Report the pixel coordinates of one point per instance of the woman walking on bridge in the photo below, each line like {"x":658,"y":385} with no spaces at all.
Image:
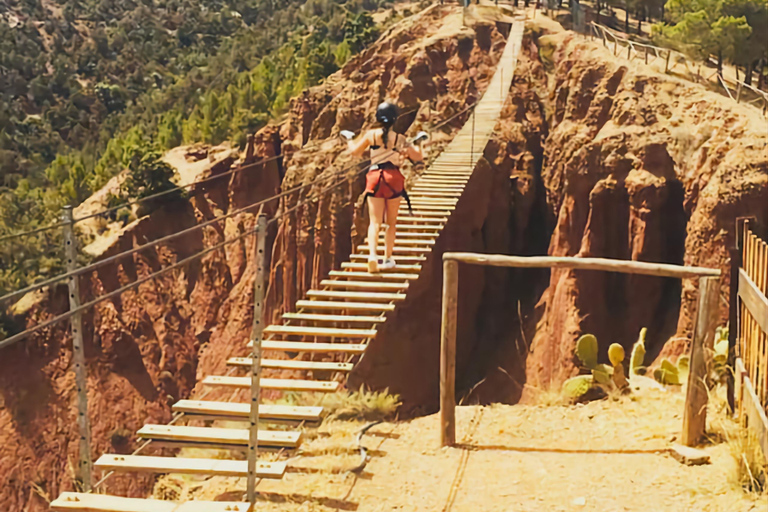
{"x":384,"y":183}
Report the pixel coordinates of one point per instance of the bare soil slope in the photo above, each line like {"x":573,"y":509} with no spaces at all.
{"x":604,"y":456}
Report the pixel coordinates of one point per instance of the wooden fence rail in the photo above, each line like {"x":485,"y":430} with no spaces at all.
{"x":673,"y":58}
{"x":751,"y":332}
{"x":694,"y":419}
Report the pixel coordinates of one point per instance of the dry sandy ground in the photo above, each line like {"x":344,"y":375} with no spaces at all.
{"x":606,"y":456}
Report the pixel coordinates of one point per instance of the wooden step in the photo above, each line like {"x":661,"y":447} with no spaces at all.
{"x":242,"y":411}
{"x":281,"y":384}
{"x":82,"y":502}
{"x":364,"y":257}
{"x":399,"y":250}
{"x":356,"y":306}
{"x":422,"y":214}
{"x":368,"y":296}
{"x":293,"y":364}
{"x":398,"y":268}
{"x":306,"y":346}
{"x":407,"y":219}
{"x":309,"y":317}
{"x":426,"y":237}
{"x":341,"y":274}
{"x":218,"y":436}
{"x":435,"y":201}
{"x":404,"y":241}
{"x":420,"y":189}
{"x":419,"y":208}
{"x":188,"y":466}
{"x":333,"y":332}
{"x":431,"y":229}
{"x":439,"y":194}
{"x":363,"y":285}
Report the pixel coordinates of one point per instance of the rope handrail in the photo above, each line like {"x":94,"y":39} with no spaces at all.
{"x":93,"y":266}
{"x":132,"y":202}
{"x":24,"y":334}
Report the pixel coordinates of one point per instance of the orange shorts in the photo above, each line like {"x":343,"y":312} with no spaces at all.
{"x":384,"y":183}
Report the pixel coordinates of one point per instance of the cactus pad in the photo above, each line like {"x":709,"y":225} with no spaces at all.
{"x":602,"y":373}
{"x":577,"y":386}
{"x":616,"y":354}
{"x":637,"y":358}
{"x":667,"y":373}
{"x":586,"y":350}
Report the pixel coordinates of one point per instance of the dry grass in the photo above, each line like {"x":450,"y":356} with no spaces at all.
{"x":750,"y":468}
{"x":349,"y":405}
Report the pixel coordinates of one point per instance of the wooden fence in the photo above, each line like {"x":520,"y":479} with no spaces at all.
{"x":623,"y":46}
{"x":695,"y":414}
{"x":749,"y":336}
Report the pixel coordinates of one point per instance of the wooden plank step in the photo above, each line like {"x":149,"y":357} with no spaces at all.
{"x":424,"y":205}
{"x":427,"y":237}
{"x":424,"y":192}
{"x":364,"y":257}
{"x":342,"y":274}
{"x":355,"y":295}
{"x":434,"y":200}
{"x":308,"y":346}
{"x":219,"y":436}
{"x":363,"y":285}
{"x":309,"y":317}
{"x":440,"y":194}
{"x":421,"y":214}
{"x":242,"y":411}
{"x":433,"y":229}
{"x":82,"y":502}
{"x":452,"y":194}
{"x":356,"y":306}
{"x":398,"y":268}
{"x":189,"y":466}
{"x":335,"y":332}
{"x":399,"y":250}
{"x":281,"y":384}
{"x":427,"y":181}
{"x":407,"y":219}
{"x":407,"y":241}
{"x":292,"y":364}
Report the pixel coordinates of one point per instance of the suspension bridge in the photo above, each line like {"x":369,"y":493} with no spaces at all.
{"x":317,"y":344}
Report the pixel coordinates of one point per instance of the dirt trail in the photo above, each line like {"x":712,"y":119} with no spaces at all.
{"x":603,"y":457}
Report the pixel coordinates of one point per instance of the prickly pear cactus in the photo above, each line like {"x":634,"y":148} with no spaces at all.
{"x":720,"y":358}
{"x":577,"y":386}
{"x":616,"y":354}
{"x":602,"y":373}
{"x":637,"y":358}
{"x":667,"y":373}
{"x":586,"y":350}
{"x":619,"y":378}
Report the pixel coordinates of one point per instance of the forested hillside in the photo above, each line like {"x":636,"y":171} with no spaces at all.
{"x":91,"y":87}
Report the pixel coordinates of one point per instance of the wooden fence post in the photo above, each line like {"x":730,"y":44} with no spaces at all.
{"x":448,"y":354}
{"x":695,"y":414}
{"x":666,"y":66}
{"x":84,"y":466}
{"x":256,"y":335}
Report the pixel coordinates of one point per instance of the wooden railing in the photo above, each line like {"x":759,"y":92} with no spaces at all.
{"x":695,"y":414}
{"x":623,"y":46}
{"x":749,"y":339}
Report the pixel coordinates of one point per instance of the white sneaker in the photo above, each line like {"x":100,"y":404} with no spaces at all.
{"x":389,"y":264}
{"x":373,"y":265}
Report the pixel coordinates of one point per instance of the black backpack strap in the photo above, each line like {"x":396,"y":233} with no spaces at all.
{"x":408,"y":200}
